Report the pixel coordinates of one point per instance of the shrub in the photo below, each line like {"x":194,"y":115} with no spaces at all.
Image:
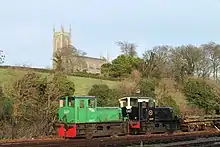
{"x":168,"y":101}
{"x":147,"y":87}
{"x":63,"y":85}
{"x":199,"y":93}
{"x":33,"y":104}
{"x":105,"y":95}
{"x":5,"y":107}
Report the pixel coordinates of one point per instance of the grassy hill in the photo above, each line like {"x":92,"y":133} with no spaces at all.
{"x":82,"y":84}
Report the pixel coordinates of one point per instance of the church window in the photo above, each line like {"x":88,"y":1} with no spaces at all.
{"x":87,"y":65}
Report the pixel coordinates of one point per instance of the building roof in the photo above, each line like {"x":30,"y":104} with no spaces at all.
{"x":92,"y":58}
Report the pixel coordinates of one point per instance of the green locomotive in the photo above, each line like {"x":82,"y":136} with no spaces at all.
{"x":79,"y":116}
{"x":83,"y":109}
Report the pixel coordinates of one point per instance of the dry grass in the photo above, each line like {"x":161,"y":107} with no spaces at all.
{"x":171,"y":88}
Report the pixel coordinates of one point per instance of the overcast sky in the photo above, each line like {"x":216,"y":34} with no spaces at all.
{"x":26,"y":29}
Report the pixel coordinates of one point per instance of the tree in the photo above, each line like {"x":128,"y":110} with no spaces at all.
{"x":129,"y":86}
{"x":68,"y":59}
{"x":35,"y":103}
{"x":5,"y":114}
{"x":5,"y":107}
{"x":154,"y":62}
{"x":123,"y":65}
{"x":2,"y":57}
{"x":185,"y":61}
{"x":168,"y":101}
{"x":29,"y":104}
{"x":57,"y":59}
{"x":105,"y":69}
{"x":204,"y":66}
{"x":128,"y":49}
{"x":199,"y":93}
{"x":147,"y":87}
{"x":164,"y":99}
{"x":105,"y":95}
{"x":212,"y":51}
{"x":60,"y":86}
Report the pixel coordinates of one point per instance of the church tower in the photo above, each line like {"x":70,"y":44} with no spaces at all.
{"x":60,"y":40}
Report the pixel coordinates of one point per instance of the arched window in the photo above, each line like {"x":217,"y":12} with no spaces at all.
{"x":87,"y":65}
{"x":94,"y":66}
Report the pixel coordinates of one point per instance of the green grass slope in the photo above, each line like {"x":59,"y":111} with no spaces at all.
{"x":82,"y":84}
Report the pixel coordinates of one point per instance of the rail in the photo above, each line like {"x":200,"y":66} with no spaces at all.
{"x":119,"y":141}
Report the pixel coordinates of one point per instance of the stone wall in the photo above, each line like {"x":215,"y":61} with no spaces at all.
{"x":89,"y":64}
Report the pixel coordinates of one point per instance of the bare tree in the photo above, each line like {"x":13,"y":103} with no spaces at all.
{"x":185,"y":60}
{"x":127,"y":48}
{"x":212,"y":51}
{"x":58,"y":61}
{"x":69,"y":58}
{"x":204,"y":68}
{"x":155,"y":61}
{"x":2,"y":57}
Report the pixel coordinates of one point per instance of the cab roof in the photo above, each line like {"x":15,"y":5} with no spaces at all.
{"x":163,"y":107}
{"x":137,"y":97}
{"x":76,"y":97}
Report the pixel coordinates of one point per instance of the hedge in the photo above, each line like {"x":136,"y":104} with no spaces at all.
{"x":78,"y":74}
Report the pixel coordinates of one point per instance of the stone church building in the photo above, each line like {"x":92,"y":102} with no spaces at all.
{"x":72,"y":62}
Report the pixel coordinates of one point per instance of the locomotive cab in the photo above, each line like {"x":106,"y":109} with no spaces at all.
{"x":139,"y":111}
{"x":137,"y":108}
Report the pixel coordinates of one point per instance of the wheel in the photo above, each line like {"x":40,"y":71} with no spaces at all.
{"x":190,"y":128}
{"x":148,"y":133}
{"x":170,"y":132}
{"x":114,"y":134}
{"x":89,"y":135}
{"x":91,"y":130}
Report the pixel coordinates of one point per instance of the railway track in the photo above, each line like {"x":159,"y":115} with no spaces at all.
{"x":120,"y":141}
{"x":204,"y":142}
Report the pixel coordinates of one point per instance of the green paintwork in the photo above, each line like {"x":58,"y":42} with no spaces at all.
{"x":82,"y":112}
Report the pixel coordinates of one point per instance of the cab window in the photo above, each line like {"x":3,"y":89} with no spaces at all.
{"x":61,"y":103}
{"x":134,"y":102}
{"x":81,"y":103}
{"x":91,"y":103}
{"x":151,"y":104}
{"x":71,"y":102}
{"x":125,"y":103}
{"x":144,"y":105}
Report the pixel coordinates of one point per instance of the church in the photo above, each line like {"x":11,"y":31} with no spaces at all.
{"x":73,"y":63}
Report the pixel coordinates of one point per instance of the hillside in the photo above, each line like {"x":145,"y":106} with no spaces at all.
{"x":170,"y":87}
{"x":82,"y":84}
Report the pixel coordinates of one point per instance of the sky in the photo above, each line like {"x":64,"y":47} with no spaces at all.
{"x":26,"y":30}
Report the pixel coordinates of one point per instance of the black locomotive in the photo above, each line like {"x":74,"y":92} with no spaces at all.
{"x":145,"y":117}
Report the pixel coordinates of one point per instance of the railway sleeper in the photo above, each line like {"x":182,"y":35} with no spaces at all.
{"x":200,"y":126}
